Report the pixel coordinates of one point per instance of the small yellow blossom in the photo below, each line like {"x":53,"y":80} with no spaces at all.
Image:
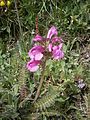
{"x":2,"y":3}
{"x":8,"y":3}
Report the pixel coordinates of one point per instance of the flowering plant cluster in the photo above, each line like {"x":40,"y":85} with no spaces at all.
{"x":44,"y":49}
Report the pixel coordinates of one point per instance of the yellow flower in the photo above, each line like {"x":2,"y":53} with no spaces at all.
{"x":8,"y":3}
{"x":2,"y":3}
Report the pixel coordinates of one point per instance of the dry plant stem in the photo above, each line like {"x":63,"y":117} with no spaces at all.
{"x":20,"y":29}
{"x":18,"y":19}
{"x":41,"y":82}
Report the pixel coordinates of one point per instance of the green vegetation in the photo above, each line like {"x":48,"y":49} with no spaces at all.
{"x":61,"y":96}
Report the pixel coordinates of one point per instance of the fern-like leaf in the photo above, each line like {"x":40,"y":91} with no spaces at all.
{"x":47,"y":100}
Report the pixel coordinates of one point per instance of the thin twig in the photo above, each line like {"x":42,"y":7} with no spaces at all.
{"x":18,"y":19}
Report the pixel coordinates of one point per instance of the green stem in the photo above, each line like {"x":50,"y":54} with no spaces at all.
{"x":41,"y":82}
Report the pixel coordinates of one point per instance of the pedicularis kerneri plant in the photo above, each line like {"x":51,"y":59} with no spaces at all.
{"x":43,"y":50}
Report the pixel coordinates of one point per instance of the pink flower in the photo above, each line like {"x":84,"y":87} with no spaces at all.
{"x":52,"y":45}
{"x":33,"y":65}
{"x":38,"y":38}
{"x":36,"y":52}
{"x":57,"y":52}
{"x":52,"y":32}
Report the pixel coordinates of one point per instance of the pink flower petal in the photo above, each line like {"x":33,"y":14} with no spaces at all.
{"x":38,"y":56}
{"x":55,"y":47}
{"x":50,"y":47}
{"x":51,"y":32}
{"x":35,"y":50}
{"x":38,"y":38}
{"x":33,"y":65}
{"x":34,"y":69}
{"x":56,"y":39}
{"x":38,"y":47}
{"x":60,"y":46}
{"x":58,"y":54}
